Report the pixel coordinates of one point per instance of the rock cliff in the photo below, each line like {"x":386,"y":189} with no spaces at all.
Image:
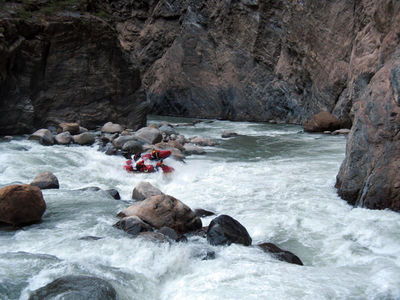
{"x":64,"y":66}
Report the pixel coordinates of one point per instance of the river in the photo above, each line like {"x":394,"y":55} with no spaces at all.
{"x":275,"y":180}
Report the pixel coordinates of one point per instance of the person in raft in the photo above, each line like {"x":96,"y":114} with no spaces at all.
{"x":155,"y":155}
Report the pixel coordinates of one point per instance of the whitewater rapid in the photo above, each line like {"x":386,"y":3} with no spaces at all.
{"x":275,"y":180}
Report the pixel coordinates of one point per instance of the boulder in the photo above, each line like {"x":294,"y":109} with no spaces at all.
{"x":321,"y":122}
{"x":144,"y":190}
{"x":164,"y":210}
{"x":83,"y":129}
{"x":85,"y":138}
{"x":202,"y":141}
{"x":46,"y":180}
{"x":132,"y":147}
{"x":21,"y":204}
{"x":109,"y":149}
{"x":77,"y":287}
{"x":201,"y":213}
{"x":193,"y":149}
{"x":120,"y":141}
{"x":149,"y":135}
{"x":114,"y":193}
{"x":176,"y":144}
{"x":228,"y":134}
{"x":224,"y":230}
{"x":72,"y":128}
{"x":133,"y":225}
{"x":110,"y":127}
{"x":167,"y":129}
{"x":44,"y":136}
{"x":280,"y":254}
{"x":63,"y":138}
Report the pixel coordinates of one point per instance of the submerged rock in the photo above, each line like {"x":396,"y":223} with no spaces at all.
{"x":190,"y":148}
{"x":114,"y":193}
{"x":46,"y":180}
{"x":202,"y":141}
{"x":172,"y":234}
{"x":224,"y":230}
{"x":164,"y":210}
{"x":21,"y":204}
{"x":280,"y":253}
{"x":228,"y":134}
{"x":145,"y":190}
{"x":76,"y":287}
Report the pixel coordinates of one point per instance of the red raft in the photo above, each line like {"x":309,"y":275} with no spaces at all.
{"x":155,"y":155}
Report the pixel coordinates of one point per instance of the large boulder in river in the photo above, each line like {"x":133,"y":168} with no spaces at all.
{"x":76,"y":287}
{"x":111,"y":127}
{"x":225,"y":230}
{"x":321,"y":122}
{"x":46,"y":180}
{"x":44,"y":136}
{"x":132,"y":147}
{"x":85,"y":138}
{"x":149,"y":135}
{"x":120,"y":141}
{"x":164,"y":210}
{"x":144,"y":190}
{"x":21,"y":204}
{"x":280,"y":254}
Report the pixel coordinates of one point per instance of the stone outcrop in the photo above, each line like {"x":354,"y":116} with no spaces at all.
{"x":280,"y":254}
{"x":145,"y":190}
{"x":323,"y":121}
{"x":164,"y":211}
{"x":64,"y":67}
{"x":21,"y":204}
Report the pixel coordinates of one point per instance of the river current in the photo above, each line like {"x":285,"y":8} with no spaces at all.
{"x":275,"y":180}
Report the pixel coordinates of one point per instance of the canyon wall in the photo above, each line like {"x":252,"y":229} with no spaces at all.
{"x":278,"y":61}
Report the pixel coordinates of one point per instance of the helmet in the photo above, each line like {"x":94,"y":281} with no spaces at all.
{"x":155,"y":153}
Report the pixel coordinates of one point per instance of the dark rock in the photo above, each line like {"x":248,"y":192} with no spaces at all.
{"x":133,"y":225}
{"x":144,"y":190}
{"x":44,"y":136}
{"x":21,"y":204}
{"x":203,"y":213}
{"x":321,"y":122}
{"x":46,"y":180}
{"x":72,"y":128}
{"x":167,"y":129}
{"x":109,"y":149}
{"x":90,"y":189}
{"x":76,"y":287}
{"x":224,"y":230}
{"x":85,"y":138}
{"x":114,"y":193}
{"x":164,"y":210}
{"x":63,"y":138}
{"x":203,"y":253}
{"x":280,"y":253}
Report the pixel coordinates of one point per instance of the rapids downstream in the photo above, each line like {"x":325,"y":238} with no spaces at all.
{"x":275,"y":180}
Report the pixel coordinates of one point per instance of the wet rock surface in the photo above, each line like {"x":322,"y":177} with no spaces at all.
{"x":21,"y":204}
{"x":280,"y":254}
{"x":46,"y":180}
{"x":76,"y":287}
{"x":224,"y":230}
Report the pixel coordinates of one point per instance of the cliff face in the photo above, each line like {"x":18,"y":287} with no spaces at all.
{"x":64,"y":67}
{"x":252,"y":60}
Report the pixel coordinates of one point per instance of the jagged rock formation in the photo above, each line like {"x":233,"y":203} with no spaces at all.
{"x":65,"y":66}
